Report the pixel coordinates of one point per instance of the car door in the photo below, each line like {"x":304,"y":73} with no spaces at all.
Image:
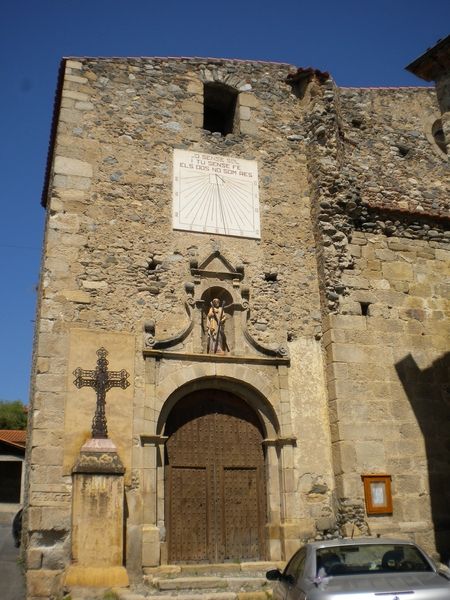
{"x":288,"y":586}
{"x":295,"y":589}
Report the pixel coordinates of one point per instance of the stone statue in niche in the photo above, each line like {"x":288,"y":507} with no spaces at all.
{"x":216,"y":317}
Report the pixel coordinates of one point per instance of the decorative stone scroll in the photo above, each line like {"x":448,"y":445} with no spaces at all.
{"x":217,"y":306}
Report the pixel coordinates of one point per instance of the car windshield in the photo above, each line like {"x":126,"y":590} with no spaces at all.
{"x":357,"y":559}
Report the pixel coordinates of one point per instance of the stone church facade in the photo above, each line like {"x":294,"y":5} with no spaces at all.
{"x":318,"y":217}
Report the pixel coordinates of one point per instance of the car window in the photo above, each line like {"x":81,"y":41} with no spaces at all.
{"x":356,"y":559}
{"x":296,"y":565}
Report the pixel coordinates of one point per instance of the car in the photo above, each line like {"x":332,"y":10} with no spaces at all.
{"x":361,"y":569}
{"x":17,"y":528}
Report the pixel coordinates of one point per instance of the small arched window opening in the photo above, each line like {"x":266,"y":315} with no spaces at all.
{"x":219,"y":107}
{"x":439,"y":136}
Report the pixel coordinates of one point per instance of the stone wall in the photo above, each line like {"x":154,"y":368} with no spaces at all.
{"x":380,"y":195}
{"x":387,"y":383}
{"x":111,"y":194}
{"x":373,"y":166}
{"x":389,"y":153}
{"x":443,"y":96}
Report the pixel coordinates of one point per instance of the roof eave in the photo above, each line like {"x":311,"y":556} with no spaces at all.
{"x":433,"y":63}
{"x":54,"y":126}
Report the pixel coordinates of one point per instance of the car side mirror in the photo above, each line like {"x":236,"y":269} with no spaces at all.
{"x":273,"y":575}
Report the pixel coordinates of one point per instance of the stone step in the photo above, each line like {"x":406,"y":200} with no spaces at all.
{"x":224,"y":581}
{"x":125,"y":594}
{"x":201,"y":583}
{"x":258,"y":568}
{"x":190,"y":583}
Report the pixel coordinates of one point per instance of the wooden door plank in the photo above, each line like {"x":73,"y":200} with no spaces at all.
{"x":188,"y":514}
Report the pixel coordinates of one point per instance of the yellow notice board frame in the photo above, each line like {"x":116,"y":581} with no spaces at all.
{"x":377,"y":494}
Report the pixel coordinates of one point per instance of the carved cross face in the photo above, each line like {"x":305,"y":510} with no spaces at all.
{"x":101,"y":380}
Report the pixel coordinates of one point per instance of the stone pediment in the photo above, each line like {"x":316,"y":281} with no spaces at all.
{"x":216,"y":266}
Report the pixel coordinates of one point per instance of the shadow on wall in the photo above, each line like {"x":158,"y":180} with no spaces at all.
{"x":429,"y":394}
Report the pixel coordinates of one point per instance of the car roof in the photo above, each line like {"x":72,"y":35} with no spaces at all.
{"x":358,"y":541}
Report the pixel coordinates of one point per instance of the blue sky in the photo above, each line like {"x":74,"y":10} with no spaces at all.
{"x":360,"y":43}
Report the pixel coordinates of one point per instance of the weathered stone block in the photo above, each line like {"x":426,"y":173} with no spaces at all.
{"x":75,"y":95}
{"x":84,"y":106}
{"x":248,"y":128}
{"x":75,"y":78}
{"x":370,"y":455}
{"x":75,"y":182}
{"x":150,"y":546}
{"x":42,"y":365}
{"x":94,"y":285}
{"x":74,"y":64}
{"x":246,"y":99}
{"x":77,"y":296}
{"x":195,"y":87}
{"x":344,"y":455}
{"x":47,"y":456}
{"x":398,"y":271}
{"x":348,"y":322}
{"x":350,"y":308}
{"x":69,"y":115}
{"x":355,"y":281}
{"x":34,"y":558}
{"x":95,"y":577}
{"x":244,"y":113}
{"x":48,"y":518}
{"x":97,"y":520}
{"x":349,"y":353}
{"x":49,"y":382}
{"x":64,"y":222}
{"x":325,"y":523}
{"x":43,"y":583}
{"x":193,"y":107}
{"x":251,"y":596}
{"x":67,"y":103}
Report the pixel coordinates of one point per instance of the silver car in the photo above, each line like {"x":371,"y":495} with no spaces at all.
{"x":361,"y":569}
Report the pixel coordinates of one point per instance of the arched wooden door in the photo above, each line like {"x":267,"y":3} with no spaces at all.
{"x":215,"y":492}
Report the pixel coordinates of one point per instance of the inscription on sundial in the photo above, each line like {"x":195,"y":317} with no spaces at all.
{"x":215,"y":194}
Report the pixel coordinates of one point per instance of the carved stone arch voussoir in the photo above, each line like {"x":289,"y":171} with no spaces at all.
{"x":220,"y":75}
{"x":253,"y":388}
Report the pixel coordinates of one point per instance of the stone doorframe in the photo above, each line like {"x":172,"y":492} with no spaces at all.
{"x":254,"y":384}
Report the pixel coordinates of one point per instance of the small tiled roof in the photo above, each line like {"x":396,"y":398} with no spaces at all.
{"x":15,"y":437}
{"x":434,"y":63}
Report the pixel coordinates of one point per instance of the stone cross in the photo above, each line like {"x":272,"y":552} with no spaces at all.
{"x":101,"y":380}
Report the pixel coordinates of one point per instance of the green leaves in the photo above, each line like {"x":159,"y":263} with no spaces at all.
{"x":12,"y":415}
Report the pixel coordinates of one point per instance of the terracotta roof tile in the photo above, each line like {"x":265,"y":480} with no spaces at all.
{"x":13,"y":436}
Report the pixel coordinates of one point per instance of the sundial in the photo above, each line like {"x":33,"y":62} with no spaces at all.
{"x":215,"y":194}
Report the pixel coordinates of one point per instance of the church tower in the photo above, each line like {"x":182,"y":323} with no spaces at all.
{"x":241,"y":312}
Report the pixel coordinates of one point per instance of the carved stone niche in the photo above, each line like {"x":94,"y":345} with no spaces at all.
{"x":214,"y":278}
{"x":228,"y":328}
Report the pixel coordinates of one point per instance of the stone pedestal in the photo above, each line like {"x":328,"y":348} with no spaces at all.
{"x":97,"y":518}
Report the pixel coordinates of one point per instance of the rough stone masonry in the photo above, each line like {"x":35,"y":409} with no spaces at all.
{"x":337,"y":314}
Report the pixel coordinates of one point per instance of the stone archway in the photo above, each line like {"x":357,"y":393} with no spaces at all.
{"x":214,"y":479}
